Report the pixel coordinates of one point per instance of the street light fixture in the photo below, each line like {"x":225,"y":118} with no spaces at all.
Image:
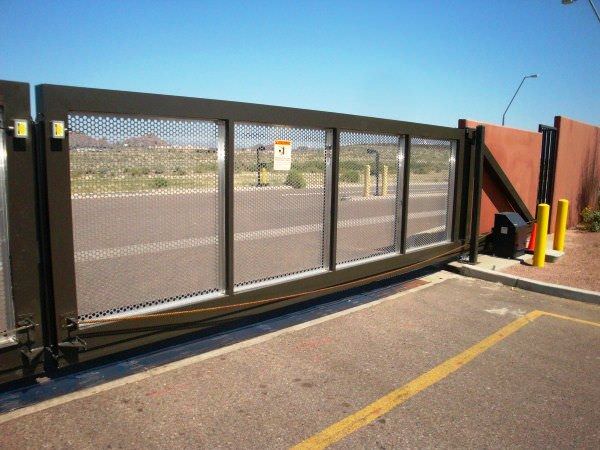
{"x":569,"y":2}
{"x":516,"y":92}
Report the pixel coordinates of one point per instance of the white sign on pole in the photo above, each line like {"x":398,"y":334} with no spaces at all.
{"x":282,"y":156}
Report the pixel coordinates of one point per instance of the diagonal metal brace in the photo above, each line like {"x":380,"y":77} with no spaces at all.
{"x":511,"y":193}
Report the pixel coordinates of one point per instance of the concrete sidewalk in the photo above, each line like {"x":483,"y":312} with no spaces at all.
{"x":536,"y":387}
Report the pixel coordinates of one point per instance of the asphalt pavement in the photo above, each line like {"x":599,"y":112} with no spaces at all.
{"x":458,"y":364}
{"x":137,"y":248}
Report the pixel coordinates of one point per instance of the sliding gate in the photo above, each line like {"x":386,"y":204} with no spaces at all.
{"x":164,"y":215}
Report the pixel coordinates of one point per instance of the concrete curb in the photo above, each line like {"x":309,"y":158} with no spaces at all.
{"x":528,"y":284}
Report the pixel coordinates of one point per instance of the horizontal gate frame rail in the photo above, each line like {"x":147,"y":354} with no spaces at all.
{"x":22,"y":357}
{"x":56,"y":102}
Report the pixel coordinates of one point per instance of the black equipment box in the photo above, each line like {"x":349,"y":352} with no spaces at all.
{"x":509,"y":235}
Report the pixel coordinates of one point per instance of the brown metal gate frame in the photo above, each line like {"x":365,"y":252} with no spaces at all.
{"x":72,"y":343}
{"x":23,"y":356}
{"x":40,"y":224}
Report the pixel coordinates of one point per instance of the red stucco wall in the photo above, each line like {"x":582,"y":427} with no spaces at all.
{"x":518,"y":152}
{"x":577,"y":165}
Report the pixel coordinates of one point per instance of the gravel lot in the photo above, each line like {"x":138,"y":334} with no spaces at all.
{"x":577,"y":268}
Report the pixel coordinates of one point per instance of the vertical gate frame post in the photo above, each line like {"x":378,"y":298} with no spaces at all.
{"x":455,"y":232}
{"x":399,"y":192}
{"x":46,"y":280}
{"x":405,"y":184}
{"x":467,"y":181}
{"x":56,"y":227}
{"x":334,"y":191}
{"x":477,"y":188}
{"x":229,"y":202}
{"x":221,"y":199}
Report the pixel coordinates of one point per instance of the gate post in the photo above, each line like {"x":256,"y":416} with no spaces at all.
{"x":547,"y":165}
{"x":477,"y":187}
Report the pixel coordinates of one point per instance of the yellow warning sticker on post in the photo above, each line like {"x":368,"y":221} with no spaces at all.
{"x":21,"y":128}
{"x":282,"y":155}
{"x":58,"y":129}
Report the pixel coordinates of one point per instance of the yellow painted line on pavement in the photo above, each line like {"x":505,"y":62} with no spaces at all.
{"x":175,"y":365}
{"x":370,"y":413}
{"x":572,"y":319}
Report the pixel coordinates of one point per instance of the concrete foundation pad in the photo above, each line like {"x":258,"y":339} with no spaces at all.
{"x":553,"y":255}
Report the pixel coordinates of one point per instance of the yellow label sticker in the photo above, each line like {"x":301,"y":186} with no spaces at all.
{"x":58,"y":129}
{"x":21,"y":128}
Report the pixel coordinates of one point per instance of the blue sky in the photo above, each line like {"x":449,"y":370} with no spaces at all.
{"x":421,"y":61}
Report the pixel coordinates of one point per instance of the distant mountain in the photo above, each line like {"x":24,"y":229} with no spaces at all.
{"x":80,"y":140}
{"x":148,"y":140}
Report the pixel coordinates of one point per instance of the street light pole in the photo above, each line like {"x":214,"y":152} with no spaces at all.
{"x":372,"y":151}
{"x":258,"y":165}
{"x":595,"y":10}
{"x":516,"y":92}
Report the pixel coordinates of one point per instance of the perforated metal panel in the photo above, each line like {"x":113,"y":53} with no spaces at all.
{"x":6,"y":306}
{"x":370,"y":184}
{"x":145,"y":201}
{"x":278,"y":215}
{"x":431,"y":192}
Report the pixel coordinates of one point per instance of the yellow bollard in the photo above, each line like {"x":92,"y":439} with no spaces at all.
{"x":384,"y":181}
{"x":539,"y":254}
{"x":560,"y":227}
{"x":263,"y":177}
{"x":367,"y":181}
